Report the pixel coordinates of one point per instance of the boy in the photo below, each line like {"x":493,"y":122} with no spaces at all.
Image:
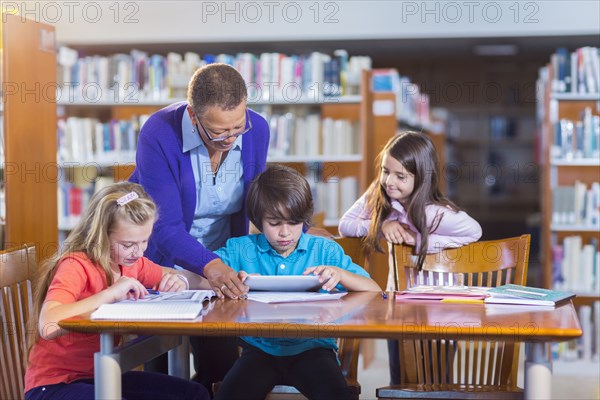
{"x":279,"y":204}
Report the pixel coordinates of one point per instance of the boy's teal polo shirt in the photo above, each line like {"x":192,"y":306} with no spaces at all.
{"x":254,"y":254}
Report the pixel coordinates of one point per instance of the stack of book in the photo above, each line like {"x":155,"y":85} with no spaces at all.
{"x":505,"y":294}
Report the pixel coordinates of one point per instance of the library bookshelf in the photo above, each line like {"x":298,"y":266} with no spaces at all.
{"x":29,"y":169}
{"x":331,"y":161}
{"x":569,"y":128}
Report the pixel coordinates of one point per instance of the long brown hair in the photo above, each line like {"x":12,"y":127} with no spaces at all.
{"x":417,"y":154}
{"x":90,"y":237}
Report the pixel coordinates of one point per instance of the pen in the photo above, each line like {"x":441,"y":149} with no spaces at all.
{"x":384,"y":295}
{"x":152,"y":291}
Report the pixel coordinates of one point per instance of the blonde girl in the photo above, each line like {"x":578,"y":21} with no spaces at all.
{"x":101,"y":262}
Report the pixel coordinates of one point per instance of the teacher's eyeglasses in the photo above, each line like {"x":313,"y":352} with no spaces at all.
{"x":217,"y":138}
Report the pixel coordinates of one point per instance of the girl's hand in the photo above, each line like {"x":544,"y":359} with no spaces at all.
{"x":127,"y":288}
{"x":393,"y":232}
{"x":327,"y":273}
{"x":171,"y":283}
{"x":408,"y":236}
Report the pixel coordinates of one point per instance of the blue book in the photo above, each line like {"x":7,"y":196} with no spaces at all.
{"x":517,"y":294}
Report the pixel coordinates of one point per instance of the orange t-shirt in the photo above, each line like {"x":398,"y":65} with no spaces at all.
{"x":70,"y":357}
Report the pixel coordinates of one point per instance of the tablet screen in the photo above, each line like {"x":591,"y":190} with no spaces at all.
{"x":281,"y":283}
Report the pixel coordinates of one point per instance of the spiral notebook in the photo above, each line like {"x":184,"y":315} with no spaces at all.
{"x":184,"y":305}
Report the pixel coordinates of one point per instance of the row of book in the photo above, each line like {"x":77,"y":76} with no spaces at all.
{"x":138,"y":76}
{"x":72,"y":200}
{"x":412,"y":106}
{"x":577,"y":71}
{"x":574,"y":140}
{"x":586,"y":348}
{"x":331,"y":197}
{"x":576,"y":266}
{"x":334,"y":196}
{"x":87,"y":140}
{"x":294,"y":135}
{"x":576,"y":205}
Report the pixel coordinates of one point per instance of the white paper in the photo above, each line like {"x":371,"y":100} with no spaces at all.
{"x":291,"y":297}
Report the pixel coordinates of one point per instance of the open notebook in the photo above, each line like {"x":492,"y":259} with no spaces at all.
{"x":164,"y":306}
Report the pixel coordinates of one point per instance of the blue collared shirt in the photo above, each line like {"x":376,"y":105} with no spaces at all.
{"x":254,"y":254}
{"x":218,"y":198}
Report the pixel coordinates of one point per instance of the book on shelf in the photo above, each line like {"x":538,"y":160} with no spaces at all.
{"x":518,"y":294}
{"x":576,"y":266}
{"x":334,"y":196}
{"x":310,"y":136}
{"x":577,"y":140}
{"x":163,"y":306}
{"x":139,"y":76}
{"x":87,"y":140}
{"x":576,"y":205}
{"x":576,"y":72}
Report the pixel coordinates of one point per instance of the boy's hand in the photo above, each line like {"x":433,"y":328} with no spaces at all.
{"x":243,"y":275}
{"x":328,"y":274}
{"x":170,"y":283}
{"x":223,"y":280}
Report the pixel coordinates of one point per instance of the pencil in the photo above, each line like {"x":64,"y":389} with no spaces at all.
{"x":462,"y":301}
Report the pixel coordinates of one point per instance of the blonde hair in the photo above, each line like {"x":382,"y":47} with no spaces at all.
{"x":90,"y":236}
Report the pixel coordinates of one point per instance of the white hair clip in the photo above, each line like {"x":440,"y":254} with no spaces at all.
{"x":127,"y":198}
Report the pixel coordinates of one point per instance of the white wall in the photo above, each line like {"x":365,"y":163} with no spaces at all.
{"x":113,"y":22}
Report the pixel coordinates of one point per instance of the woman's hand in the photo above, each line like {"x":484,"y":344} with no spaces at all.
{"x":127,"y":288}
{"x":223,"y":280}
{"x":171,"y":283}
{"x":328,"y":274}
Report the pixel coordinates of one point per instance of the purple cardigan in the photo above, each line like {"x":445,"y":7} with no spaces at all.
{"x":166,"y":174}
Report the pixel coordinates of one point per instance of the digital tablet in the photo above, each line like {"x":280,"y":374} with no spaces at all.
{"x":283,"y":283}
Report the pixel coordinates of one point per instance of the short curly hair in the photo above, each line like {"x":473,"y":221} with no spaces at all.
{"x":218,"y":85}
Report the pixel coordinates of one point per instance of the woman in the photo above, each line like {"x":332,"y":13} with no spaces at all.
{"x":196,"y":159}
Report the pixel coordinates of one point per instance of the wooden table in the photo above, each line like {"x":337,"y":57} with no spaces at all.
{"x":363,"y":315}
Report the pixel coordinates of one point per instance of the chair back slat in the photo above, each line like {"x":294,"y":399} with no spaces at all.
{"x":17,"y":267}
{"x":349,"y":348}
{"x":486,"y":263}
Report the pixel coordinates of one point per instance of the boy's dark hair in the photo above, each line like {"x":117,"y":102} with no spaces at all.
{"x":282,"y":193}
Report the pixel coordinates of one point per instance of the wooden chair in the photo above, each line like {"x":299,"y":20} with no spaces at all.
{"x":446,"y":369}
{"x":17,"y":267}
{"x":348,"y":347}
